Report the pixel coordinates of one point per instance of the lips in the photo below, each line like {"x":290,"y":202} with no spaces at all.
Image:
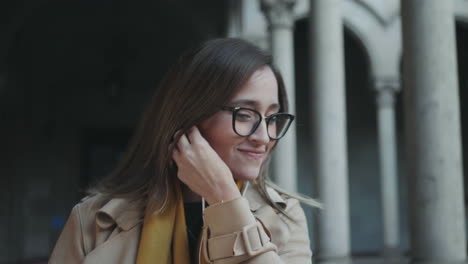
{"x":254,"y":154}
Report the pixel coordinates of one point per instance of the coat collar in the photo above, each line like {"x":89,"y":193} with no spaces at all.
{"x":126,"y":213}
{"x":121,"y":211}
{"x":256,"y":200}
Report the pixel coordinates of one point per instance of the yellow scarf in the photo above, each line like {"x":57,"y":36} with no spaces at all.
{"x":164,"y":235}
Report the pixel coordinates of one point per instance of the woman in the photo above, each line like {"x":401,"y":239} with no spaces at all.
{"x":208,"y":133}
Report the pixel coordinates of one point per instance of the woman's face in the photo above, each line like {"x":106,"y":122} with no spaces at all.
{"x":245,"y":155}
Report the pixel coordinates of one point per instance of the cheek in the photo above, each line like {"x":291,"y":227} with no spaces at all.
{"x":271,"y":145}
{"x":218,"y":132}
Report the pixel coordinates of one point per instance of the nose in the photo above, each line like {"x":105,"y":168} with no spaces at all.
{"x":260,"y":135}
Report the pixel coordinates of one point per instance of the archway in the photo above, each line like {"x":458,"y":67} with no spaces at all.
{"x":365,"y":208}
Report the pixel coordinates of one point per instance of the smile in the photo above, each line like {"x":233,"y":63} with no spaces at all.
{"x":258,"y":155}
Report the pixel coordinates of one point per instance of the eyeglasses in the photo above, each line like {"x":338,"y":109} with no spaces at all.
{"x":246,"y":120}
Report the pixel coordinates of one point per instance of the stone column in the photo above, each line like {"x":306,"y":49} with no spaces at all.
{"x":386,"y":90}
{"x":280,"y":19}
{"x":329,"y":129}
{"x":234,"y":25}
{"x":433,"y":132}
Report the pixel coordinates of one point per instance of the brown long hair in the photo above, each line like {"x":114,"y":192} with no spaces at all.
{"x":201,"y":80}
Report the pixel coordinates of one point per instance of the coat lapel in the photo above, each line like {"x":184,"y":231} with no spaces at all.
{"x":120,"y":249}
{"x":117,"y":232}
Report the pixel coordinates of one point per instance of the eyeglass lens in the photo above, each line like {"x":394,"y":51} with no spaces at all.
{"x":246,"y":121}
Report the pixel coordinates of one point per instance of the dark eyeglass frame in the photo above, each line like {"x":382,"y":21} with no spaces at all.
{"x":236,"y":109}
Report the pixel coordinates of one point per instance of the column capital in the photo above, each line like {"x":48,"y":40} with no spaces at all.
{"x":386,"y":89}
{"x":387,"y":84}
{"x":279,"y":13}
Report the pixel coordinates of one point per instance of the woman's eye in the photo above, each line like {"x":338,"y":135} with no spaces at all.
{"x":243,"y":117}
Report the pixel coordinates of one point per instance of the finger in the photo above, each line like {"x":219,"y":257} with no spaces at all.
{"x":176,"y":134}
{"x":175,"y":138}
{"x":183,"y":144}
{"x":171,"y":147}
{"x":173,"y":142}
{"x":187,"y":134}
{"x":195,"y":135}
{"x":176,"y":155}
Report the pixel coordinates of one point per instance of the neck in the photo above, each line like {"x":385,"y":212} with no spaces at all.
{"x":189,"y":195}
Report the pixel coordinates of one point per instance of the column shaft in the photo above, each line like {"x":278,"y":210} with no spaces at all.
{"x":329,"y":128}
{"x":433,"y":132}
{"x":234,"y":24}
{"x":279,"y":14}
{"x":285,"y":159}
{"x":388,"y":165}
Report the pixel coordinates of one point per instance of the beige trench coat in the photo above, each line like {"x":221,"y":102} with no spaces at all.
{"x":245,"y":230}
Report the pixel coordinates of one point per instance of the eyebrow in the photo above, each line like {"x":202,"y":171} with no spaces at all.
{"x":253,"y":103}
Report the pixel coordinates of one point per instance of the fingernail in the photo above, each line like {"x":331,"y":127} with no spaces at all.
{"x":176,"y":134}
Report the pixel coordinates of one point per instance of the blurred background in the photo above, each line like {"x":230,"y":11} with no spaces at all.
{"x":75,"y":77}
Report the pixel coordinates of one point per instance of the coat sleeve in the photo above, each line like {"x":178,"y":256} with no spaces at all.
{"x":234,"y":235}
{"x":69,"y":246}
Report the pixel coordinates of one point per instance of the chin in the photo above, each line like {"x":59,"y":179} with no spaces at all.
{"x":249,"y":175}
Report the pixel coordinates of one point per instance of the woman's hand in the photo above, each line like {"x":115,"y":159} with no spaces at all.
{"x":202,"y":170}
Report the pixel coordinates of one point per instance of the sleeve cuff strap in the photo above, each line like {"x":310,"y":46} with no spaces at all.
{"x":251,"y":241}
{"x":228,"y":217}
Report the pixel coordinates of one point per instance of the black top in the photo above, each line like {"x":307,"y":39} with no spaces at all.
{"x":194,"y":222}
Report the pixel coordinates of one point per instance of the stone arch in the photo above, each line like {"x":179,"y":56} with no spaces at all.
{"x":379,"y":31}
{"x":380,"y":36}
{"x":460,"y":10}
